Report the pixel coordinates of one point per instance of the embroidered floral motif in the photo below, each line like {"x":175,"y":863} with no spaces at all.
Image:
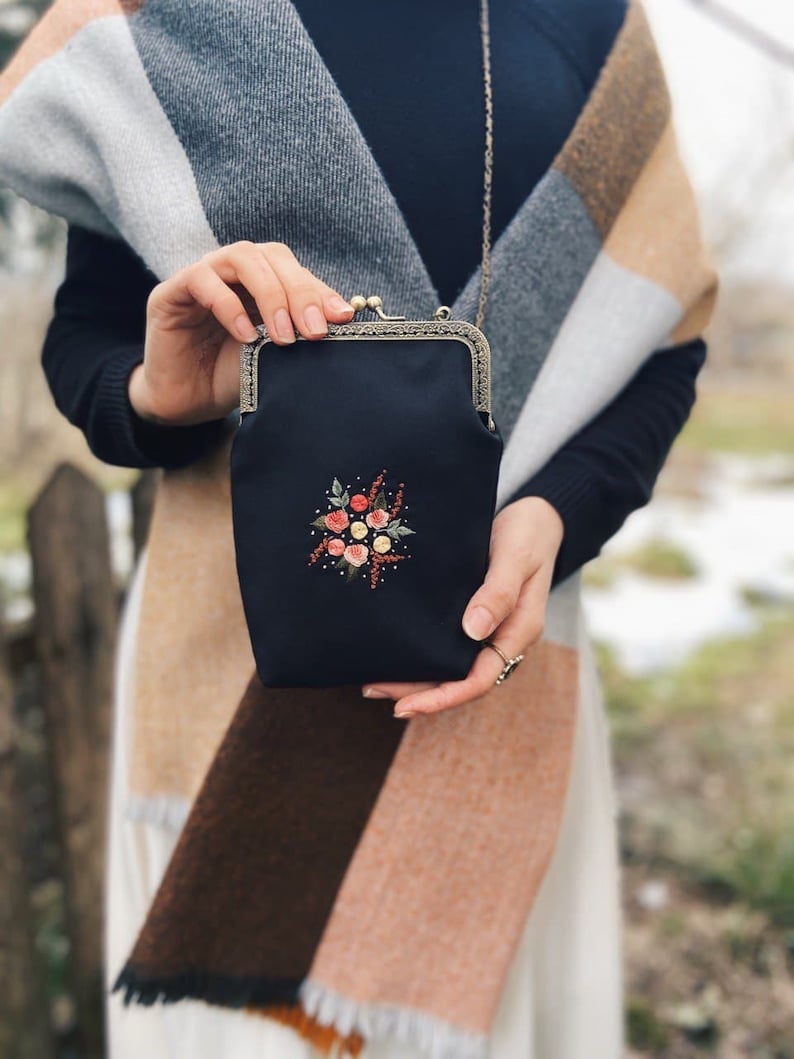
{"x":347,"y":525}
{"x":378,"y":519}
{"x":337,"y":521}
{"x":356,"y":554}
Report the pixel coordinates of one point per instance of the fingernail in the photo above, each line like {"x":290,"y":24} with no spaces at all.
{"x":339,"y":304}
{"x":314,"y":320}
{"x":284,"y":328}
{"x":245,"y":329}
{"x":405,"y":713}
{"x":478,"y":623}
{"x":374,"y":693}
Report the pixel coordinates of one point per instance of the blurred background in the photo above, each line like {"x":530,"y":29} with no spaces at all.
{"x":692,"y":607}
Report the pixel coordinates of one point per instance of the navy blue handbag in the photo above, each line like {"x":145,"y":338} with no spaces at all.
{"x":364,"y":475}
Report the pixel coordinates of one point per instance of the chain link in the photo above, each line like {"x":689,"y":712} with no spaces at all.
{"x":485,"y":270}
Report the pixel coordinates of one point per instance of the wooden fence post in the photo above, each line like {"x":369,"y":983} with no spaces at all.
{"x":25,"y":1028}
{"x":75,"y":628}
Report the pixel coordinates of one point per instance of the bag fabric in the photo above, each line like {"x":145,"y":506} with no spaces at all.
{"x":347,"y":873}
{"x":362,"y":512}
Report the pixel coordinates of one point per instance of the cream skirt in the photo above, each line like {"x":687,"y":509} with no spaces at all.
{"x":563,"y":996}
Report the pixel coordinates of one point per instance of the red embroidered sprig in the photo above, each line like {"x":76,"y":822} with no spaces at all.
{"x":375,"y":487}
{"x":318,"y":551}
{"x":377,"y":562}
{"x":398,"y":501}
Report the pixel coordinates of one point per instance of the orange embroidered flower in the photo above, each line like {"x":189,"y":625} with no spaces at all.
{"x":356,"y":554}
{"x":336,"y":546}
{"x":359,"y":502}
{"x":337,"y":521}
{"x":378,"y":519}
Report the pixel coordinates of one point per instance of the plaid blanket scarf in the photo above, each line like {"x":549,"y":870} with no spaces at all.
{"x":345,"y":872}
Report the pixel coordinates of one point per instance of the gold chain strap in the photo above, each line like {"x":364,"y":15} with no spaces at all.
{"x":485,"y":271}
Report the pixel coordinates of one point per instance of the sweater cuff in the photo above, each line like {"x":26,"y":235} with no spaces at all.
{"x":570,"y":487}
{"x":137,"y":442}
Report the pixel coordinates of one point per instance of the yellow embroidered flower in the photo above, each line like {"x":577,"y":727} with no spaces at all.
{"x":382,"y":544}
{"x":358,"y":531}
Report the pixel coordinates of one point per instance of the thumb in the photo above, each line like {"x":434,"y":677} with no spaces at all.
{"x":495,"y":600}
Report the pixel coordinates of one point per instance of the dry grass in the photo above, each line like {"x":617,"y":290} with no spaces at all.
{"x":741,"y":414}
{"x":703,"y":756}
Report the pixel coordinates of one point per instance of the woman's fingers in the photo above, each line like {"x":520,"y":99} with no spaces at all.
{"x":203,"y":286}
{"x":287,"y":295}
{"x":522,"y":628}
{"x":195,"y":318}
{"x":311,"y":302}
{"x":394,"y":691}
{"x":337,"y":308}
{"x":250,"y":267}
{"x":509,"y":607}
{"x":510,"y":564}
{"x":301,"y":290}
{"x":482,"y":675}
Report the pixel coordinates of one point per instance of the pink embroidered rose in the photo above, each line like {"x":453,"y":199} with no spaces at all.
{"x":336,"y":546}
{"x":336,"y":521}
{"x":356,"y":554}
{"x":359,"y":502}
{"x":378,"y":519}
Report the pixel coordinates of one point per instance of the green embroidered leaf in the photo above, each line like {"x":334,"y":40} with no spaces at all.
{"x":380,"y":502}
{"x":336,"y":501}
{"x":352,"y":571}
{"x":319,"y":522}
{"x":336,"y":488}
{"x":394,"y":532}
{"x":342,"y":563}
{"x":344,"y":500}
{"x":404,"y":531}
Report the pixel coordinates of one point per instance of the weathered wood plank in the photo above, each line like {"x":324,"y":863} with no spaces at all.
{"x":25,"y":1030}
{"x":75,"y":629}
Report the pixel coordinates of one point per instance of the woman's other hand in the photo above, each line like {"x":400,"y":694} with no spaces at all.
{"x":508,"y":608}
{"x":197,"y":318}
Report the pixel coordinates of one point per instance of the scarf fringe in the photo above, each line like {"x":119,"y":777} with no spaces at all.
{"x":335,"y":1025}
{"x":161,"y":811}
{"x":432,"y":1037}
{"x":223,"y":990}
{"x":326,"y":1039}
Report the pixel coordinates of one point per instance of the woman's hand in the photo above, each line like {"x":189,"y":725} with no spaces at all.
{"x":509,"y":607}
{"x":197,"y":318}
